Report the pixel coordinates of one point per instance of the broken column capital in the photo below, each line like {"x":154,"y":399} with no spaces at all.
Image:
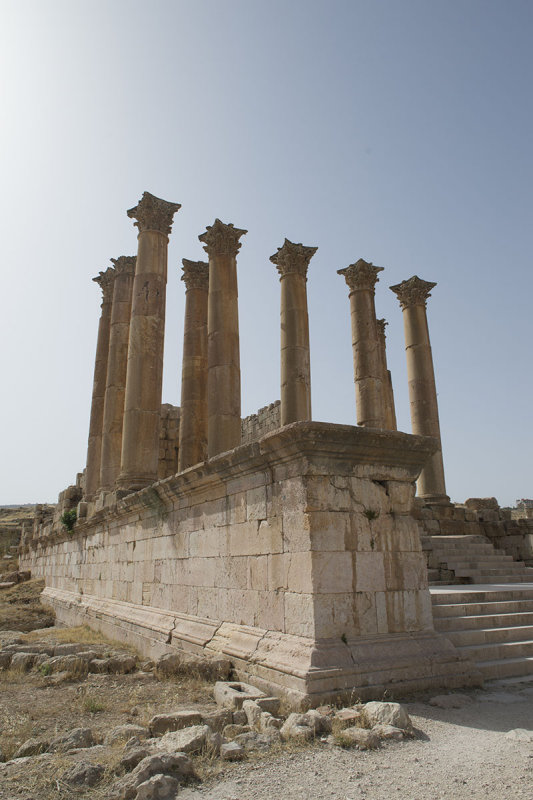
{"x":124,"y":265}
{"x":195,"y":274}
{"x":221,"y":239}
{"x":362,"y":275}
{"x":382,"y":324}
{"x":413,"y":292}
{"x":293,"y":258}
{"x":106,"y":281}
{"x":153,"y":214}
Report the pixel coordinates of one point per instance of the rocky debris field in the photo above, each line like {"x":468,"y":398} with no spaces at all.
{"x":80,"y":716}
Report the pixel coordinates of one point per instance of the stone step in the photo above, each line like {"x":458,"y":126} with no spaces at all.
{"x":467,"y":610}
{"x":473,"y":595}
{"x":466,"y":560}
{"x":478,"y":621}
{"x":481,"y":636}
{"x":482,"y":566}
{"x":501,"y":579}
{"x":498,"y":650}
{"x":511,"y":667}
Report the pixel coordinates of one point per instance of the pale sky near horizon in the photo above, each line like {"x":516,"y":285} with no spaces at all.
{"x":396,"y":131}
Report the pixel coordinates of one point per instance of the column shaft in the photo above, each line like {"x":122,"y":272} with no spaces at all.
{"x":292,"y":262}
{"x":193,"y":417}
{"x":116,"y":372}
{"x":142,"y":404}
{"x":223,"y":355}
{"x":94,"y":448}
{"x":370,"y":401}
{"x":413,"y":295}
{"x":388,"y":391}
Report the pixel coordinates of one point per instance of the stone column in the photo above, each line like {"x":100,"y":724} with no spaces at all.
{"x":116,"y":371}
{"x":223,"y":359}
{"x":94,"y":449}
{"x":193,"y":417}
{"x":390,"y":410}
{"x":413,"y":295}
{"x":292,"y":261}
{"x":142,"y":404}
{"x":361,"y":278}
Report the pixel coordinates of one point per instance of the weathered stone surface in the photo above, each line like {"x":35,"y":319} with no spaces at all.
{"x":134,"y":756}
{"x":78,"y":737}
{"x":187,"y":740}
{"x":347,"y":718}
{"x":190,"y":664}
{"x":296,"y":727}
{"x":217,"y":720}
{"x":5,"y":660}
{"x":232,"y":730}
{"x":378,"y":713}
{"x":124,"y":732}
{"x":83,"y":774}
{"x":253,"y":713}
{"x":31,"y":747}
{"x":233,"y":695}
{"x":455,"y":700}
{"x":231,"y":751}
{"x":72,"y":664}
{"x":253,"y":741}
{"x":388,"y":732}
{"x":270,"y":704}
{"x":98,"y":665}
{"x":175,"y":721}
{"x":359,"y":737}
{"x":269,"y":724}
{"x":121,"y":665}
{"x":22,"y":662}
{"x":158,"y":787}
{"x":177,"y":765}
{"x":319,"y":723}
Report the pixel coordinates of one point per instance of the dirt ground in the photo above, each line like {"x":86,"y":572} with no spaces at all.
{"x":456,"y":753}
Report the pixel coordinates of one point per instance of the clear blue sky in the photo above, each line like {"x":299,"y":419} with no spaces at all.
{"x":399,"y":131}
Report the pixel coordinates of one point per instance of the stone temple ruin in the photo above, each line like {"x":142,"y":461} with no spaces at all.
{"x":295,"y":548}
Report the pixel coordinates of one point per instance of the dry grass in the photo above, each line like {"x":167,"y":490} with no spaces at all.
{"x":80,"y":635}
{"x":21,"y":609}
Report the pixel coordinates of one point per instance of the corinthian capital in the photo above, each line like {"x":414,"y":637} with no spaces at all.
{"x":221,"y":239}
{"x":361,"y":275}
{"x":195,"y":274}
{"x":154,"y":214}
{"x":106,"y":281}
{"x":413,"y":292}
{"x":293,"y":258}
{"x":124,"y":265}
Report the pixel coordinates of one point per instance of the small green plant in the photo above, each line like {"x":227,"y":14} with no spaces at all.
{"x":68,"y":518}
{"x":45,"y":669}
{"x":343,"y":638}
{"x":370,"y":514}
{"x":93,"y":706}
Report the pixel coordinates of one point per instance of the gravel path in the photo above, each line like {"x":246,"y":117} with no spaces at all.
{"x":459,"y":753}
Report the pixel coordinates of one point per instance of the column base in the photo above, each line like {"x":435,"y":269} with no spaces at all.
{"x":134,"y":483}
{"x":435,"y":499}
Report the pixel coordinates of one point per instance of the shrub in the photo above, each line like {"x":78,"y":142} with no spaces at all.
{"x":68,"y":518}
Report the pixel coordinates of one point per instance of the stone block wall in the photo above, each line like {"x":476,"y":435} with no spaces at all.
{"x":297,"y":557}
{"x":266,"y":420}
{"x":481,"y":516}
{"x":169,"y":435}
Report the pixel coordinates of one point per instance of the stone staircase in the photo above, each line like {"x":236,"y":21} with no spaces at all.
{"x":483,"y":602}
{"x":493,"y":627}
{"x":470,"y":559}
